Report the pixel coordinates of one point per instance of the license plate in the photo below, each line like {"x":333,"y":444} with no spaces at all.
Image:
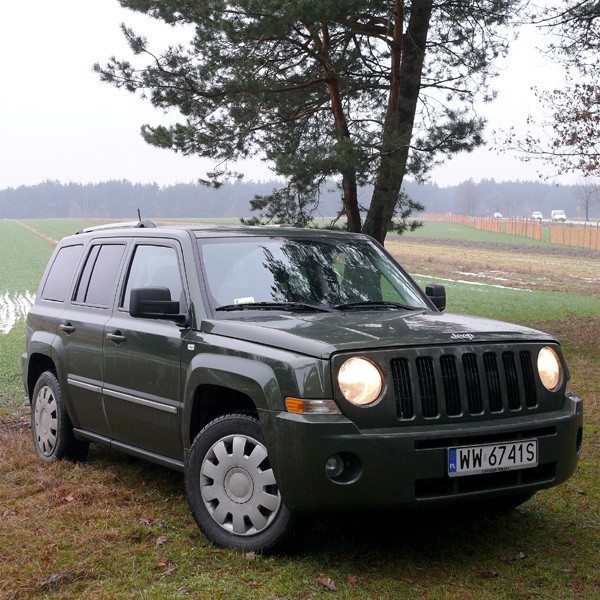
{"x":491,"y":458}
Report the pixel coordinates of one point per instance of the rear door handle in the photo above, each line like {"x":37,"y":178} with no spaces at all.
{"x":117,"y":337}
{"x":67,"y":328}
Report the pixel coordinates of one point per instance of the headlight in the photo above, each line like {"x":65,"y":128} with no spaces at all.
{"x":360,"y":381}
{"x":549,"y":368}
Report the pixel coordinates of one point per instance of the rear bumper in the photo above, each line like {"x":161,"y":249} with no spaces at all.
{"x":407,"y":466}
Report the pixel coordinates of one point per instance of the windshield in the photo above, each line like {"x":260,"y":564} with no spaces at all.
{"x":245,"y":272}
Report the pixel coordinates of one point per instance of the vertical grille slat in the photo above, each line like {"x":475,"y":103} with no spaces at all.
{"x":512,"y":380}
{"x":402,"y":386}
{"x":426,"y":375}
{"x":473,"y":383}
{"x":492,"y":378}
{"x":451,"y":386}
{"x":528,"y":379}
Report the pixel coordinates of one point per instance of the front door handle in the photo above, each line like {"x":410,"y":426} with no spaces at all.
{"x":117,"y":337}
{"x":67,"y":328}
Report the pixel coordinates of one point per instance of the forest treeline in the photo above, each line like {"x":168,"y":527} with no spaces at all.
{"x":122,"y":199}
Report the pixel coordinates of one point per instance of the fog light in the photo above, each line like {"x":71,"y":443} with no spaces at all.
{"x":334,"y":466}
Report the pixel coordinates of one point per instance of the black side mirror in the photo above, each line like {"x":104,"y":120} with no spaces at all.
{"x":437,"y":294}
{"x":154,"y":303}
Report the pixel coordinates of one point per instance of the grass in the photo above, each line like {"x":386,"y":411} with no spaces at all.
{"x":24,"y":257}
{"x":454,"y":231}
{"x":120,"y":527}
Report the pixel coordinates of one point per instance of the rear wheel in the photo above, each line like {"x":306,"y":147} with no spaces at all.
{"x":231,"y":487}
{"x":51,"y":427}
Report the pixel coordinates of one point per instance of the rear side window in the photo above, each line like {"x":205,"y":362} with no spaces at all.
{"x":98,"y":279}
{"x":61,"y":273}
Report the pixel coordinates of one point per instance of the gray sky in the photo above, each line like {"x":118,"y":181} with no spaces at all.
{"x":59,"y":122}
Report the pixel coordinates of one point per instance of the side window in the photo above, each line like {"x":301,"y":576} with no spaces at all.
{"x":97,"y":282}
{"x":61,"y":273}
{"x":153,"y":266}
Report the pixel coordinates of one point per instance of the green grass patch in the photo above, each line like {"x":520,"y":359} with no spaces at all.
{"x":24,"y":258}
{"x":60,"y":228}
{"x":513,"y":304}
{"x":13,"y":401}
{"x":454,"y":231}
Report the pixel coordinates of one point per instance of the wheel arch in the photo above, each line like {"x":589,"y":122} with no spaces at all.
{"x":38,"y":364}
{"x":218,"y":385}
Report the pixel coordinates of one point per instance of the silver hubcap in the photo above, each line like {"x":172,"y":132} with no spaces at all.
{"x":238,"y":486}
{"x":46,"y":421}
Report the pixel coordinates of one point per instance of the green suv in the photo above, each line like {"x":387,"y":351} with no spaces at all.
{"x":286,"y":371}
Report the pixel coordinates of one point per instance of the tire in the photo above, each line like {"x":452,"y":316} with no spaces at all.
{"x":51,"y":427}
{"x":231,"y":488}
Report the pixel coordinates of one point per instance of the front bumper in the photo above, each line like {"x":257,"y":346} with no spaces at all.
{"x":407,"y":466}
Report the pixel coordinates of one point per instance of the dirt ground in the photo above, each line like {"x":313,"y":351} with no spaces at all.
{"x":545,"y":268}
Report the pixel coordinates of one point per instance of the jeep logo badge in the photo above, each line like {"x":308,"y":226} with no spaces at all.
{"x":463,"y":336}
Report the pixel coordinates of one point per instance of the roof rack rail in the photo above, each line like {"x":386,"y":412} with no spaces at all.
{"x":126,"y":224}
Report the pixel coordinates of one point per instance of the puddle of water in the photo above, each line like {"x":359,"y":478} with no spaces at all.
{"x":14,"y":307}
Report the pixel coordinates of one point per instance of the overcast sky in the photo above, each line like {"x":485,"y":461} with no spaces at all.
{"x":58,"y":121}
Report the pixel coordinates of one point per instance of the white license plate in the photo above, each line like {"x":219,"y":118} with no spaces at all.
{"x":491,"y":458}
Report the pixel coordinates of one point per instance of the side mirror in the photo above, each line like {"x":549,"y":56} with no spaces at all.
{"x":155,"y":303}
{"x":437,"y":294}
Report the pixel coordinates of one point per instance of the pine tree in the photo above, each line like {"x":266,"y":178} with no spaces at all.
{"x":363,"y":92}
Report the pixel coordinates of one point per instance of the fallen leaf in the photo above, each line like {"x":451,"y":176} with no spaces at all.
{"x":8,"y":513}
{"x":250,"y":555}
{"x":161,"y":565}
{"x":568,"y":570}
{"x":146,"y":522}
{"x":518,"y":556}
{"x":352,"y":581}
{"x":327,"y":583}
{"x":68,"y":498}
{"x":52,"y":580}
{"x":170,"y":567}
{"x":162,"y":540}
{"x":254,"y":584}
{"x":490,"y":574}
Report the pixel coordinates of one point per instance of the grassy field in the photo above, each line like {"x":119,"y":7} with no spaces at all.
{"x":119,"y":527}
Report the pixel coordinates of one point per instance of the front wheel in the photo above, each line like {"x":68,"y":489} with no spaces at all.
{"x":231,"y":487}
{"x":51,"y":427}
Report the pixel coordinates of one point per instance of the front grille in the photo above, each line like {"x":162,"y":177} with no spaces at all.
{"x":454,"y":383}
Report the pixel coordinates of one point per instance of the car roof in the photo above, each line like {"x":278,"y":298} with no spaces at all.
{"x":207,"y":231}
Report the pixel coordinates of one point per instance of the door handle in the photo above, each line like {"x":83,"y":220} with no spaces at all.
{"x":67,"y":328}
{"x":117,"y":337}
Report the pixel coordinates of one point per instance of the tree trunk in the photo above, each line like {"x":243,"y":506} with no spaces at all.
{"x":408,"y":53}
{"x":349,"y":188}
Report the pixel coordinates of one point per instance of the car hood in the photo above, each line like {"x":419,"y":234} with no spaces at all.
{"x":323,"y":334}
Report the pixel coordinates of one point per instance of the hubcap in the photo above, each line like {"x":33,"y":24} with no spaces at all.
{"x":238,"y":485}
{"x":46,"y":421}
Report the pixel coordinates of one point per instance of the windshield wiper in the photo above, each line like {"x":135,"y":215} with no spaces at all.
{"x":274,"y":306}
{"x":377,"y":304}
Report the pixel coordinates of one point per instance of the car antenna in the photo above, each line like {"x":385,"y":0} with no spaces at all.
{"x":139,"y":215}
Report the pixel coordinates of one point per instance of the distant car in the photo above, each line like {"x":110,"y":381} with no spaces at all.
{"x":536,"y":215}
{"x":558,"y":215}
{"x":497,"y":215}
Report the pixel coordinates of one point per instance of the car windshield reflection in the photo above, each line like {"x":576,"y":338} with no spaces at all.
{"x":297,"y":274}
